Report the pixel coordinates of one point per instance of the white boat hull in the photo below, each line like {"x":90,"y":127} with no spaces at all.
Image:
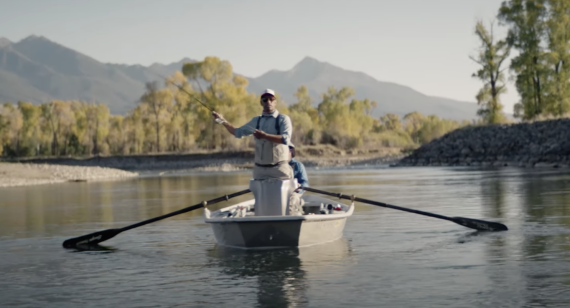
{"x":255,"y":232}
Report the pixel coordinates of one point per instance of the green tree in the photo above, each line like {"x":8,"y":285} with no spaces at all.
{"x":491,"y":56}
{"x":558,"y":57}
{"x":526,"y":21}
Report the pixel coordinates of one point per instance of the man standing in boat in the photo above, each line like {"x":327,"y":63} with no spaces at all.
{"x":272,"y":132}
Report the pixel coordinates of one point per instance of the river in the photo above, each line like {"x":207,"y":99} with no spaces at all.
{"x":387,"y":258}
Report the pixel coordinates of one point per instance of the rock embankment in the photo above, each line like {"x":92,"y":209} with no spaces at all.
{"x":538,"y":144}
{"x":15,"y":174}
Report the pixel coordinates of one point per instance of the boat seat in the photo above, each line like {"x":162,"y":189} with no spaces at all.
{"x":272,"y":196}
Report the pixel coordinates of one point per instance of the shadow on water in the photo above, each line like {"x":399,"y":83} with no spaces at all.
{"x":472,"y":236}
{"x":93,"y":248}
{"x":281,"y":273}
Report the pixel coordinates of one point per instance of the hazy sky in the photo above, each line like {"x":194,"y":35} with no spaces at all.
{"x":423,"y":44}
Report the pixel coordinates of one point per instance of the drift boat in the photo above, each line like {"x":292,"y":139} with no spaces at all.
{"x":278,"y":217}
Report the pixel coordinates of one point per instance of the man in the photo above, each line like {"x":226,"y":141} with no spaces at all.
{"x":299,"y":171}
{"x":272,"y":132}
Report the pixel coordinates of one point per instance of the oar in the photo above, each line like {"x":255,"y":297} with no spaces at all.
{"x":476,"y":224}
{"x":98,"y":237}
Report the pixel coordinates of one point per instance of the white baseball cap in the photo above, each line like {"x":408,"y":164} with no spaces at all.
{"x":268,"y":91}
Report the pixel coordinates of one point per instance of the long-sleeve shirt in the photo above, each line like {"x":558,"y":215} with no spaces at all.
{"x":267,"y":124}
{"x":299,"y":172}
{"x":268,"y":152}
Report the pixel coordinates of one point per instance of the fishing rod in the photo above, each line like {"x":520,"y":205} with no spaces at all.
{"x":191,"y":96}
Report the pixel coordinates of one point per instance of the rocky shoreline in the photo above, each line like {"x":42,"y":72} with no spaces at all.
{"x":15,"y":174}
{"x":224,"y":161}
{"x":151,"y":162}
{"x":19,"y":172}
{"x":537,"y":144}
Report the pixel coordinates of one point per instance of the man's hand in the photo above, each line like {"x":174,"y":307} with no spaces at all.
{"x":259,"y":134}
{"x":230,"y":128}
{"x":218,"y":116}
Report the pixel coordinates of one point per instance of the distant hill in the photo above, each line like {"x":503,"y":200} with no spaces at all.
{"x":317,"y":76}
{"x":36,"y":69}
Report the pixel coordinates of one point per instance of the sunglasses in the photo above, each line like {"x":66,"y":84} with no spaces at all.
{"x":267,"y":99}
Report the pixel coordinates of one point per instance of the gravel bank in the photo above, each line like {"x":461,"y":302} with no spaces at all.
{"x":538,"y":144}
{"x":323,"y":156}
{"x":16,"y":174}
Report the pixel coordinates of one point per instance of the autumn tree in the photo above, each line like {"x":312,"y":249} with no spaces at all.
{"x":413,"y":123}
{"x":391,"y":121}
{"x":305,"y":118}
{"x":30,"y":132}
{"x":227,"y":94}
{"x":11,"y":122}
{"x":158,"y":105}
{"x":97,"y":116}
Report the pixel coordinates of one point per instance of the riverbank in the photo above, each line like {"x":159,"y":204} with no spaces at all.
{"x":17,"y":174}
{"x":310,"y":156}
{"x":538,"y":144}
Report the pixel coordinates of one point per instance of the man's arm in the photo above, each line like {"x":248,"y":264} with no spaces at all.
{"x":303,"y":178}
{"x":259,"y":134}
{"x":238,"y":132}
{"x":229,"y":127}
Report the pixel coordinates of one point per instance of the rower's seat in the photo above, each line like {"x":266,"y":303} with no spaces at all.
{"x":272,"y":196}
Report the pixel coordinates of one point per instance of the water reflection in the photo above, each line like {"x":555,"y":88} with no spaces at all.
{"x":540,"y":237}
{"x":281,"y":274}
{"x":546,"y":205}
{"x":402,"y":260}
{"x":493,"y":187}
{"x":44,"y":208}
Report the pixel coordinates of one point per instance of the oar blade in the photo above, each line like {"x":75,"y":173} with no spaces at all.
{"x":481,"y":225}
{"x":91,"y":239}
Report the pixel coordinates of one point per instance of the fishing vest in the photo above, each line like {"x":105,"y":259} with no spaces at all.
{"x":268,"y":153}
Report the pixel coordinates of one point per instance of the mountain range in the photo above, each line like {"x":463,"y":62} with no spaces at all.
{"x":37,"y":70}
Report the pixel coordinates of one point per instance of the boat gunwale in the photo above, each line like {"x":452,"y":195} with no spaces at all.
{"x":253,"y":219}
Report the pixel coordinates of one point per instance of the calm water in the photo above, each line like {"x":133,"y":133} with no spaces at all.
{"x":387,"y":258}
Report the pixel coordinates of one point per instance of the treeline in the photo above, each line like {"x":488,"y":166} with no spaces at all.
{"x":172,"y":119}
{"x":539,"y":32}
